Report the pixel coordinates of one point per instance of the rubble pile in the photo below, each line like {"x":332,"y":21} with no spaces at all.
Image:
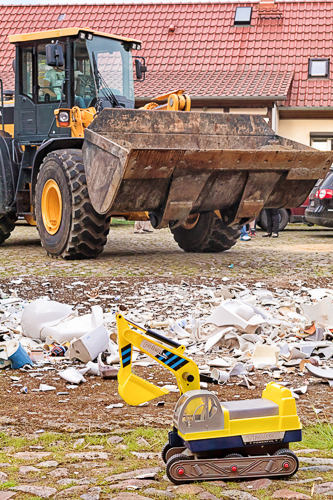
{"x":234,"y":333}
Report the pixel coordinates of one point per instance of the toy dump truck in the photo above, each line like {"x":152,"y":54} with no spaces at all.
{"x":74,"y":153}
{"x":211,"y":439}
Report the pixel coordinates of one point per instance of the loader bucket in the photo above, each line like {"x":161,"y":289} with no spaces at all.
{"x":135,"y":390}
{"x":177,"y":163}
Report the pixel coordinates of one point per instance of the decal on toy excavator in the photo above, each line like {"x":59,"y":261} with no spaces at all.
{"x":168,"y":353}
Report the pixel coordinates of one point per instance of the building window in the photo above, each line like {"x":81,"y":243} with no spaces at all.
{"x":319,"y":68}
{"x":323,"y":142}
{"x":243,"y":16}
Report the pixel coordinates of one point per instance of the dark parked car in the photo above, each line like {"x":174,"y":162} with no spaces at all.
{"x":320,"y":209}
{"x":286,"y":215}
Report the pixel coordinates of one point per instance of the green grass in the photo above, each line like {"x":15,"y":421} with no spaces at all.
{"x":8,"y":484}
{"x":318,"y":436}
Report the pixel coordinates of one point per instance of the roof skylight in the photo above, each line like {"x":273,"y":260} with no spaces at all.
{"x":243,"y":16}
{"x":319,"y":68}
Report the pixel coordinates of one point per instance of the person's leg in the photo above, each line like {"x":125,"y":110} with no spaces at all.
{"x":253,"y":228}
{"x":138,"y":226}
{"x":275,"y":220}
{"x":147,"y":227}
{"x":243,"y":231}
{"x":269,"y":220}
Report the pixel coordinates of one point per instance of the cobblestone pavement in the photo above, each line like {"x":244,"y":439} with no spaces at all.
{"x":299,"y":250}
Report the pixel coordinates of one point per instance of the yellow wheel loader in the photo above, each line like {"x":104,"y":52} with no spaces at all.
{"x":74,"y":152}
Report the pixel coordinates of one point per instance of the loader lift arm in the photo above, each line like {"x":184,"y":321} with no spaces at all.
{"x":168,"y":353}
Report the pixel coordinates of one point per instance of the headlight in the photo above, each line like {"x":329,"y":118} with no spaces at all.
{"x":63,"y":117}
{"x":135,"y":46}
{"x":89,"y":36}
{"x":82,"y":36}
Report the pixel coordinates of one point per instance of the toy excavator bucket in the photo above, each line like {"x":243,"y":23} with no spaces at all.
{"x":132,"y":389}
{"x":168,"y":353}
{"x":135,"y":390}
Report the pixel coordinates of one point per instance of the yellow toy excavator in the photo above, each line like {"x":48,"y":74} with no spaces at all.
{"x":211,"y":440}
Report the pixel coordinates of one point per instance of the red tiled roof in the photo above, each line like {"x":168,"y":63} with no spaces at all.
{"x":219,"y":83}
{"x":205,"y":54}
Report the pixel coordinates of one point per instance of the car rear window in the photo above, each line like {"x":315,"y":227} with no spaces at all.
{"x":327,"y":182}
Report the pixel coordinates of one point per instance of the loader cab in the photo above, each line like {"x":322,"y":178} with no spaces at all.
{"x":96,"y":70}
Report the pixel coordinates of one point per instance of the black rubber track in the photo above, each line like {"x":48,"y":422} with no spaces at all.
{"x":7,"y":225}
{"x":210,"y":234}
{"x":86,"y":234}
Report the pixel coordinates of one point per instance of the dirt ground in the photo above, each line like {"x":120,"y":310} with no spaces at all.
{"x":52,"y":422}
{"x":300,"y":250}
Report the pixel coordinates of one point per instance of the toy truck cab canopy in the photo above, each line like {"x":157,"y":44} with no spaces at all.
{"x":198,"y":411}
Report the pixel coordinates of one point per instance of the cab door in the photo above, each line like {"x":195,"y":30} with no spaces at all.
{"x":25,"y":109}
{"x":51,"y":83}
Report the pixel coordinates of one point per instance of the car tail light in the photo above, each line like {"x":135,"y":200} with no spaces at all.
{"x":324,"y":194}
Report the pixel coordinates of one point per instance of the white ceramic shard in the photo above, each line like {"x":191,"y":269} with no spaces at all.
{"x":46,"y":388}
{"x":320,"y":372}
{"x":236,"y":313}
{"x":237,"y":369}
{"x":216,"y":338}
{"x":219,"y":375}
{"x":220,"y":363}
{"x":265,"y":355}
{"x":320,"y":312}
{"x":73,"y":376}
{"x":89,"y":346}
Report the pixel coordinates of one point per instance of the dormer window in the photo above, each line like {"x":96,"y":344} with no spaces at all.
{"x":243,"y":16}
{"x":319,"y":68}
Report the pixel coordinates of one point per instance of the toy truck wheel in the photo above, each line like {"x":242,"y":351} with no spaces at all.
{"x":286,"y":451}
{"x":68,"y":225}
{"x":205,"y":233}
{"x":170,"y":470}
{"x":168,"y":451}
{"x":7,"y":225}
{"x":234,"y":455}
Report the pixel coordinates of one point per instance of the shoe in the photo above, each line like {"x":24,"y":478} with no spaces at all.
{"x":148,"y":230}
{"x":253,"y":232}
{"x":267,"y":235}
{"x":246,"y":237}
{"x":275,"y":235}
{"x":140,"y":231}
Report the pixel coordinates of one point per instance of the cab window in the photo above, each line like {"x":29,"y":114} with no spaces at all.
{"x":27,"y":75}
{"x":195,"y":412}
{"x":84,"y":84}
{"x":50,"y":79}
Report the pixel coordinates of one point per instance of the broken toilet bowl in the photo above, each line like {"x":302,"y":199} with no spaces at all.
{"x":44,"y":319}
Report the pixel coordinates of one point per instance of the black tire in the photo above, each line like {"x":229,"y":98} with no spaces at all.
{"x":209,"y":234}
{"x":164,"y":451}
{"x":82,"y":233}
{"x":286,"y":451}
{"x":7,"y":225}
{"x":170,"y":462}
{"x":283,"y":219}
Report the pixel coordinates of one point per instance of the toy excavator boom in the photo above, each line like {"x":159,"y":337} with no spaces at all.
{"x":168,"y":353}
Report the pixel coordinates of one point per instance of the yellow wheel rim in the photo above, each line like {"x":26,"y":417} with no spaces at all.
{"x":51,"y":206}
{"x":191,"y":221}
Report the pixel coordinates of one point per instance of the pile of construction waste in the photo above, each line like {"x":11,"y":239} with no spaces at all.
{"x":230,"y":331}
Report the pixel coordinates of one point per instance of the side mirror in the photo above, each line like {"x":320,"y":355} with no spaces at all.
{"x":140,"y":69}
{"x":54,"y":55}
